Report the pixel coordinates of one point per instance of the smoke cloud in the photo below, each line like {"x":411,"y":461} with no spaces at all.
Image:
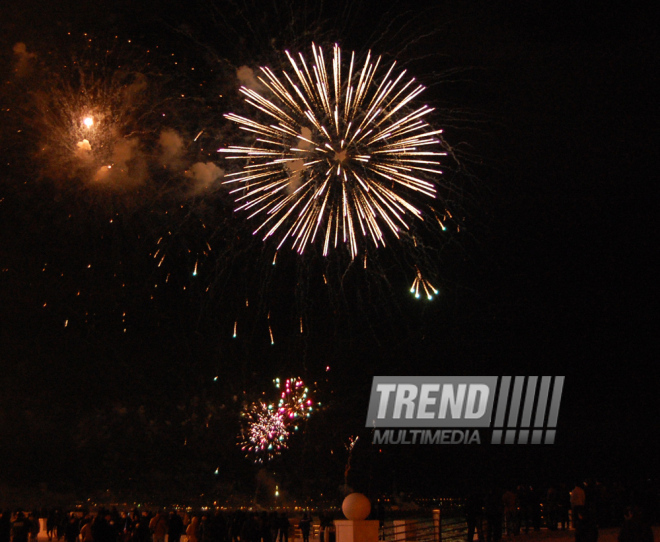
{"x":128,"y":166}
{"x":83,"y":150}
{"x":171,"y":144}
{"x":247,"y":78}
{"x":132,"y":91}
{"x":23,"y":59}
{"x":204,"y":175}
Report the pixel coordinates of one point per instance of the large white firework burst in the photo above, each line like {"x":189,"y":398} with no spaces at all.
{"x":344,"y":157}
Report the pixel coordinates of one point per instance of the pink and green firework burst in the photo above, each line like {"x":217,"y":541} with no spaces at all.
{"x":295,"y":403}
{"x":267,"y":427}
{"x":265,"y":434}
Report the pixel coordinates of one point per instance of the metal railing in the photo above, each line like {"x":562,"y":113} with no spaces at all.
{"x":424,"y":530}
{"x":454,"y":529}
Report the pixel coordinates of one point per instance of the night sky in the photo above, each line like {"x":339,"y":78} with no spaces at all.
{"x":108,"y":361}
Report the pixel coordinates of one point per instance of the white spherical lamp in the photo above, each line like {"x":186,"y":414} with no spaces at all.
{"x":356,"y":507}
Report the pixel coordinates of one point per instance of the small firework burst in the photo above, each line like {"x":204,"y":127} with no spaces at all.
{"x":294,"y":402}
{"x":267,"y":427}
{"x":88,"y":113}
{"x":265,"y":434}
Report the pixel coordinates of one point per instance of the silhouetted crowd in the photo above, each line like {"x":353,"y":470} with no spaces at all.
{"x":586,"y":508}
{"x":136,"y":526}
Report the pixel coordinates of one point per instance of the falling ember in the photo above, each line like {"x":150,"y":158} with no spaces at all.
{"x":235,"y":326}
{"x":270,"y":331}
{"x":444,"y":228}
{"x":419,"y":284}
{"x":348,"y":160}
{"x":195,"y":270}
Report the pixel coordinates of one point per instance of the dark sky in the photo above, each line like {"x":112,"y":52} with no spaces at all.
{"x":552,"y":274}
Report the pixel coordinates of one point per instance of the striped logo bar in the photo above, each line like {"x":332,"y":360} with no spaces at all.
{"x":527,"y":409}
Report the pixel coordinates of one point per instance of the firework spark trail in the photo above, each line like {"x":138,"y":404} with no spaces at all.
{"x":345,"y":159}
{"x":352,"y":441}
{"x":420,"y":283}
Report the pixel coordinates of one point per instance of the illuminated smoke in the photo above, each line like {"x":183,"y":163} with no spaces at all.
{"x":204,"y":176}
{"x":24,"y":60}
{"x":247,"y":78}
{"x":172,"y":147}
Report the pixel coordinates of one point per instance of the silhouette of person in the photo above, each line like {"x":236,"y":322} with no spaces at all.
{"x":305,"y":526}
{"x":474,"y":515}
